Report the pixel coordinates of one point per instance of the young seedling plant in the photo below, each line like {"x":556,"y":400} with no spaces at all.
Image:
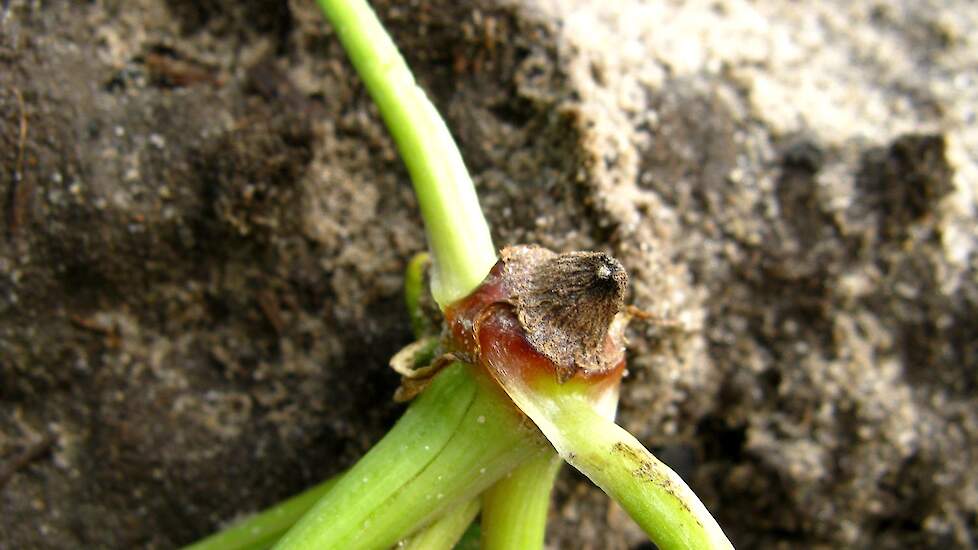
{"x":524,"y":365}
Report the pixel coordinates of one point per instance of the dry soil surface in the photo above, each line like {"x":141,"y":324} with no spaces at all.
{"x":204,"y":227}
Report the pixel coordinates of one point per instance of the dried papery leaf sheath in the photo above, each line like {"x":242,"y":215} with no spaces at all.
{"x":561,"y":308}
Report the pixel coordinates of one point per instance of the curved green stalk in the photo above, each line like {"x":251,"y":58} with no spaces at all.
{"x":396,"y":488}
{"x":652,"y":494}
{"x":263,"y":529}
{"x":463,"y":254}
{"x":418,"y":437}
{"x":446,"y":531}
{"x":457,"y":231}
{"x":493,"y":438}
{"x":413,"y":295}
{"x":514,"y":510}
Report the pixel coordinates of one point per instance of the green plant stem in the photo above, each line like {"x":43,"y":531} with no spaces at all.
{"x":463,"y":253}
{"x":420,"y":434}
{"x":447,"y":530}
{"x":413,"y":292}
{"x":457,"y":232}
{"x":263,"y":529}
{"x":454,"y":441}
{"x":493,"y":438}
{"x":514,"y":510}
{"x":444,"y":533}
{"x":471,"y":538}
{"x":652,"y":494}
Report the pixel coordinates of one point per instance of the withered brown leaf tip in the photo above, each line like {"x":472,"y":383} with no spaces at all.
{"x":566,"y":303}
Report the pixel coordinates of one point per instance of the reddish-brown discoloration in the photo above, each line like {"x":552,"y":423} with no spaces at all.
{"x":462,"y":316}
{"x":484,"y":328}
{"x":503,"y":345}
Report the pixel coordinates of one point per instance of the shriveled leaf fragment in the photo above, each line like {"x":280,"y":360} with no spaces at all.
{"x":418,"y":363}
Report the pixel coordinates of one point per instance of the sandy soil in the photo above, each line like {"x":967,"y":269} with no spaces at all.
{"x":204,"y":227}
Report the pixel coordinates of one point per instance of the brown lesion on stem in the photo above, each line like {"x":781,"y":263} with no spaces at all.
{"x":556,"y":314}
{"x":569,"y":309}
{"x":650,"y":472}
{"x":566,"y":303}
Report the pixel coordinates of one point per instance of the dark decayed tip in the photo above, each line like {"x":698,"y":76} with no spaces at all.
{"x":567,"y":305}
